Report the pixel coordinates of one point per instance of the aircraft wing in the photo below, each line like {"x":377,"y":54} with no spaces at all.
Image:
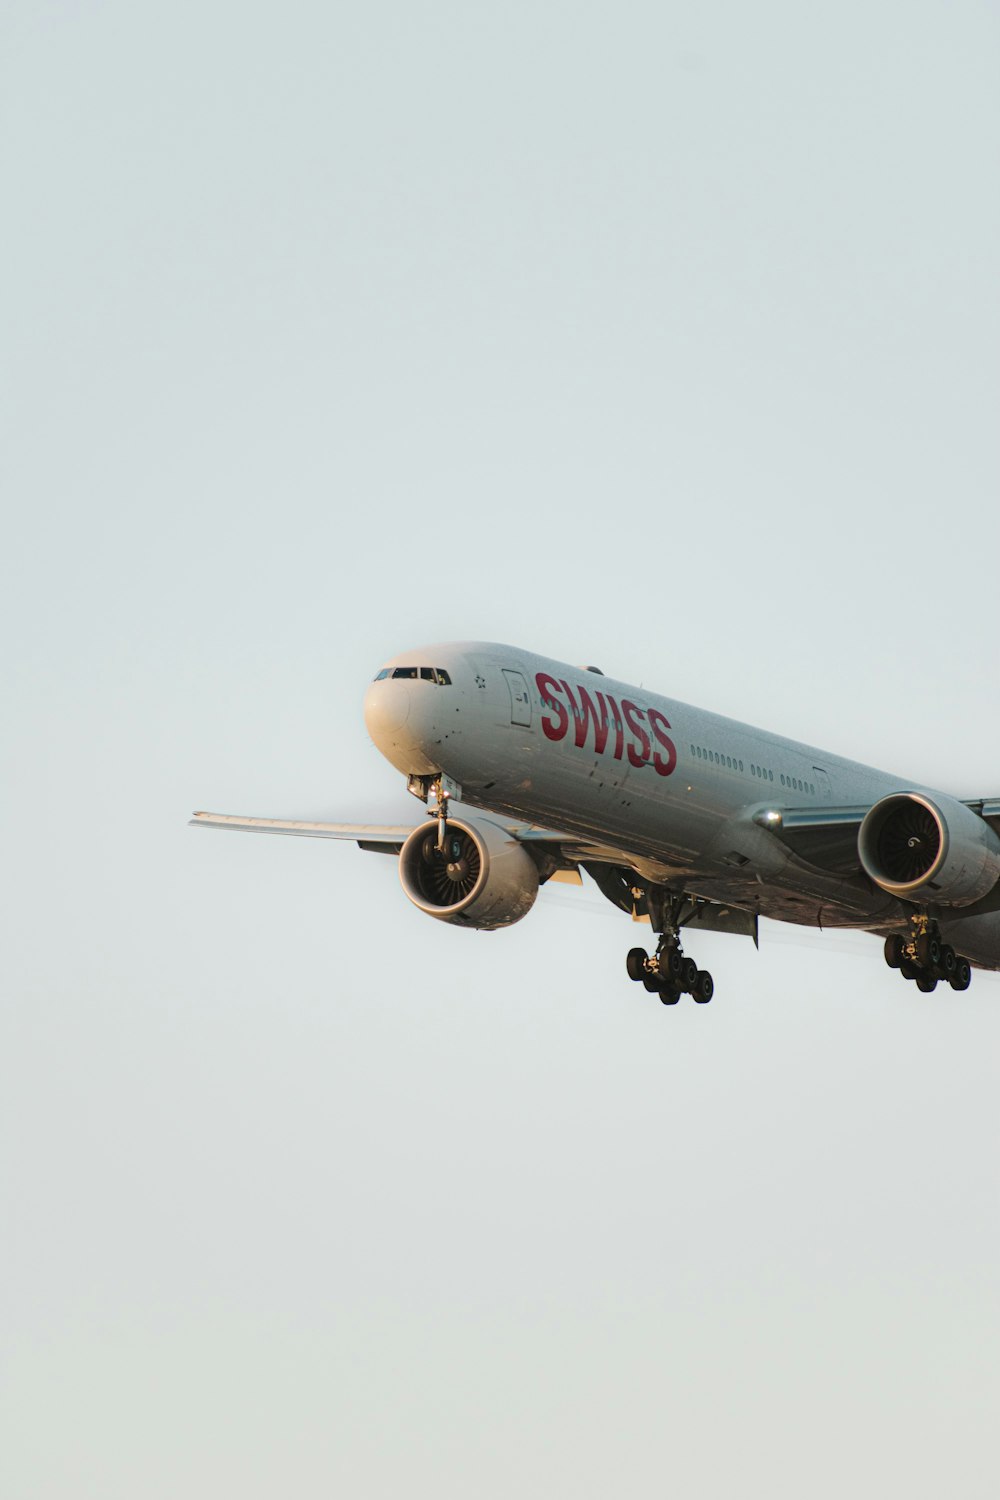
{"x":989,"y":810}
{"x":560,"y":855}
{"x":826,"y":837}
{"x":376,"y":836}
{"x":390,"y":838}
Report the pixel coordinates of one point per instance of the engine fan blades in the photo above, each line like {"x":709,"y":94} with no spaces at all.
{"x":448,"y":878}
{"x":908,"y":843}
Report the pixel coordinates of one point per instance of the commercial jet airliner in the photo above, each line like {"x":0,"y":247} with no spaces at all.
{"x":533,"y":770}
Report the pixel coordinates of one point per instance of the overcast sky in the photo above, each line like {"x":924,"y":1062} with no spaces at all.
{"x":663,"y":337}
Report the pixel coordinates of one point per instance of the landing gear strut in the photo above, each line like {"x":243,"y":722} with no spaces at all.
{"x":668,"y":972}
{"x":921,"y":955}
{"x":441,"y":813}
{"x":439,"y":789}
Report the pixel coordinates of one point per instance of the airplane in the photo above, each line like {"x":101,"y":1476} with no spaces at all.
{"x":533,"y":771}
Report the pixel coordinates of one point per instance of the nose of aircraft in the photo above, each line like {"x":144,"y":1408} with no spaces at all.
{"x":387,"y":708}
{"x":395,"y":729}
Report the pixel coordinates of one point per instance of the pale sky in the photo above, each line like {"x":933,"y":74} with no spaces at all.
{"x":656,"y":336}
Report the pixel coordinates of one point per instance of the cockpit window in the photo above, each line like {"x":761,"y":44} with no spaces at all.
{"x":437,"y":675}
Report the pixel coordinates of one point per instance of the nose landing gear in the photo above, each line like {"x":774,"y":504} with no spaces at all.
{"x":440,"y":790}
{"x":922,"y":957}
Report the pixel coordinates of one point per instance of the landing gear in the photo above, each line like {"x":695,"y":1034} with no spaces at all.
{"x":635,"y":963}
{"x":670,"y":975}
{"x":668,"y":972}
{"x":921,"y":956}
{"x":440,"y":812}
{"x":704,"y":987}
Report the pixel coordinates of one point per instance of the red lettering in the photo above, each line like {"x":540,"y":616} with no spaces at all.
{"x":616,"y":719}
{"x":554,"y":729}
{"x":634,"y":717}
{"x":658,"y":724}
{"x":586,"y":712}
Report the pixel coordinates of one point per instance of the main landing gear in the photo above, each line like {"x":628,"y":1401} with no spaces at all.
{"x":667,"y":972}
{"x":924,"y":958}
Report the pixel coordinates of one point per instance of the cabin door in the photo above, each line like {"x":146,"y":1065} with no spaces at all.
{"x":822,"y":783}
{"x":520,"y":703}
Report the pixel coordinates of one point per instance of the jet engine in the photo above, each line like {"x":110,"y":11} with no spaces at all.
{"x":936,"y":851}
{"x":482,"y":878}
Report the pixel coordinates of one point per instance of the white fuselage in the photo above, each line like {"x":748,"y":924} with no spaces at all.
{"x":674,"y":787}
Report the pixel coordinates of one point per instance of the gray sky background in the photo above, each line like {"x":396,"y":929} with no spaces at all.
{"x":662,"y":337}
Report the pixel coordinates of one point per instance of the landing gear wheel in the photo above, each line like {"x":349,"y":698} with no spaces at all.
{"x":651,"y":983}
{"x":909,"y":971}
{"x":929,"y":950}
{"x":669,"y":964}
{"x":894,"y":950}
{"x":635,"y":963}
{"x":704,"y":987}
{"x":926,"y":984}
{"x":962,"y":977}
{"x":949,"y":959}
{"x":689,"y":974}
{"x":669,"y":994}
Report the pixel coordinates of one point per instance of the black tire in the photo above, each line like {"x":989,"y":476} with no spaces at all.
{"x":949,"y":958}
{"x":651,"y":983}
{"x":962,"y":977}
{"x":929,"y":950}
{"x":635,"y":963}
{"x":704,"y":987}
{"x":668,"y":965}
{"x":927,"y":984}
{"x":669,"y":994}
{"x":894,"y":950}
{"x":689,"y":974}
{"x":909,"y":971}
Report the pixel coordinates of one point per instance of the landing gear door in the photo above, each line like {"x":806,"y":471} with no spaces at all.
{"x":520,"y":703}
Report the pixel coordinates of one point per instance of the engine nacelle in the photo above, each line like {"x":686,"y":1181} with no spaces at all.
{"x":483,"y":879}
{"x":925,"y":850}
